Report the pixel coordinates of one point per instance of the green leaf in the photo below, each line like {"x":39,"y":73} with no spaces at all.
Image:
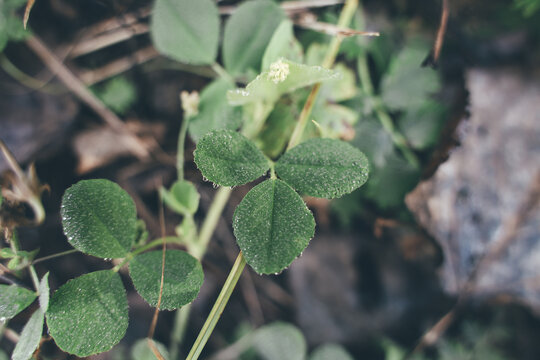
{"x":335,"y":121}
{"x":228,"y":158}
{"x":44,"y":292}
{"x":282,"y":44}
{"x":342,"y":88}
{"x":330,"y":352}
{"x":13,"y":300}
{"x":407,"y":84}
{"x":284,"y":76}
{"x":89,"y":314}
{"x":272,"y":226}
{"x":118,"y":94}
{"x":186,"y":30}
{"x":182,"y":198}
{"x":323,"y":168}
{"x":247,"y":33}
{"x":422,"y":126}
{"x":3,"y":355}
{"x":280,"y":341}
{"x":215,"y":113}
{"x":182,"y":280}
{"x":142,"y":351}
{"x":99,"y":218}
{"x":30,"y":337}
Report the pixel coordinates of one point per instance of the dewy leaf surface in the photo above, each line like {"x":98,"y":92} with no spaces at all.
{"x":13,"y":300}
{"x":89,"y":314}
{"x":272,"y":226}
{"x":99,"y":218}
{"x":247,"y":33}
{"x":30,"y":336}
{"x":182,"y":281}
{"x":323,"y":168}
{"x":186,"y":30}
{"x":228,"y":158}
{"x":280,"y":341}
{"x":215,"y":113}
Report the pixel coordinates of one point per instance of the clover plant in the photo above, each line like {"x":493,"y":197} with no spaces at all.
{"x":260,"y":133}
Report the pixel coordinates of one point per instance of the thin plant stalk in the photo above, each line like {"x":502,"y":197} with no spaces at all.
{"x":384,"y":118}
{"x":218,"y":308}
{"x":347,"y":13}
{"x":179,"y":330}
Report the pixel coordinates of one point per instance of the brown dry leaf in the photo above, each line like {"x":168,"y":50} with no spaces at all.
{"x":102,"y":145}
{"x":482,"y":204}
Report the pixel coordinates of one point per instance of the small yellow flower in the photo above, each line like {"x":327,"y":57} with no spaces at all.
{"x":278,"y":71}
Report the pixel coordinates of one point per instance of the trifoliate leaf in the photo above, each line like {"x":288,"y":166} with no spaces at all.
{"x":13,"y":300}
{"x":186,"y":30}
{"x":283,"y":76}
{"x":280,"y":341}
{"x":182,"y":281}
{"x":272,"y":226}
{"x":30,"y":337}
{"x":228,"y":158}
{"x":330,"y":352}
{"x":89,"y":314}
{"x":323,"y":168}
{"x":142,"y":351}
{"x":44,"y":292}
{"x":99,"y":218}
{"x":215,"y":113}
{"x":182,"y":198}
{"x":247,"y":32}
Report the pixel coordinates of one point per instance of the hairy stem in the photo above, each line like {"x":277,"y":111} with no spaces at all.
{"x":218,"y":308}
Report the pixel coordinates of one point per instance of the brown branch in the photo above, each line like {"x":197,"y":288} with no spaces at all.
{"x":74,"y":84}
{"x":108,"y":39}
{"x":433,"y":57}
{"x":94,"y":76}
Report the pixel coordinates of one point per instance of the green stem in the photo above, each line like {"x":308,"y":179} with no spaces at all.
{"x":345,"y":18}
{"x":180,"y":147}
{"x":211,"y":220}
{"x":26,"y":79}
{"x":222,"y":73}
{"x":33,"y":275}
{"x":179,"y":329}
{"x":218,"y":308}
{"x":384,"y":118}
{"x":136,"y":252}
{"x":49,"y":257}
